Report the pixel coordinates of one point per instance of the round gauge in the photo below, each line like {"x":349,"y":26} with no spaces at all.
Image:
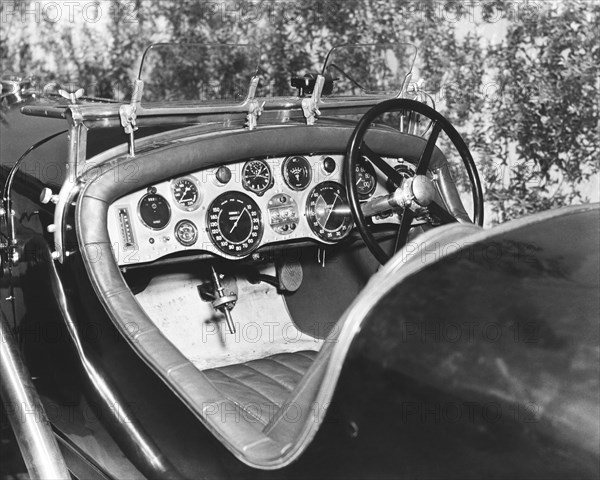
{"x":256,"y":176}
{"x":154,"y":211}
{"x":186,"y":233}
{"x":186,"y":193}
{"x":405,"y":171}
{"x":328,"y":212}
{"x":234,"y":223}
{"x":365,"y":179}
{"x":297,"y":172}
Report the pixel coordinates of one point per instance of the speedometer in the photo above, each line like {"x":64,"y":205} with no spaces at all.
{"x":235,"y":223}
{"x":186,"y":193}
{"x":328,"y":212}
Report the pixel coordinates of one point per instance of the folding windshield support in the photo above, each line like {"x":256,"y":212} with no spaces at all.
{"x":310,"y":105}
{"x":128,"y":114}
{"x":77,"y":139}
{"x":254,"y":108}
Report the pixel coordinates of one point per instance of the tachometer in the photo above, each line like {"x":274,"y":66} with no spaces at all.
{"x":186,"y":193}
{"x":296,"y":172}
{"x":256,"y":176}
{"x":154,"y":211}
{"x":328,"y":212}
{"x":235,"y":223}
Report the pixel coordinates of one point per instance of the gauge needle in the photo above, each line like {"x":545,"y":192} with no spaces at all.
{"x":330,"y":210}
{"x":238,"y":220}
{"x":187,"y":189}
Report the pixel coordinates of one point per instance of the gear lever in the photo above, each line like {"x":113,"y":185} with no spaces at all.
{"x":222,"y":302}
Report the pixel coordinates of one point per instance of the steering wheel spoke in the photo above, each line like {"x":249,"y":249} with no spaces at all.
{"x":427,"y":153}
{"x":403,"y":229}
{"x":395,"y":177}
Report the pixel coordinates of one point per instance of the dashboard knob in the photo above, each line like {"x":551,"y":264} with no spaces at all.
{"x":329,"y":164}
{"x":47,"y":196}
{"x":223,"y":175}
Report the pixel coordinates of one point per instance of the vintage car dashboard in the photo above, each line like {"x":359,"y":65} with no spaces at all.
{"x":233,"y":210}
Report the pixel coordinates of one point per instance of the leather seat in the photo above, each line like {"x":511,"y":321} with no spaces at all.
{"x":265,"y":405}
{"x":260,"y":387}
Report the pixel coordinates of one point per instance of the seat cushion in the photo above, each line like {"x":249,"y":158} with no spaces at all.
{"x":260,"y":387}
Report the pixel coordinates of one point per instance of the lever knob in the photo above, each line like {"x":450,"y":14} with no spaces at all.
{"x":47,"y":196}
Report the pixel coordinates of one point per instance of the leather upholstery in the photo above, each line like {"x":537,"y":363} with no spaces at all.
{"x":279,"y":441}
{"x":260,"y":387}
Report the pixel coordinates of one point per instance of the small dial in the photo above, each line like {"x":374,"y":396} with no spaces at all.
{"x":328,"y":212}
{"x":256,"y":176}
{"x":186,"y":233}
{"x":186,"y":193}
{"x":297,"y":172}
{"x":365,"y":179}
{"x":234,"y":223}
{"x":154,"y":211}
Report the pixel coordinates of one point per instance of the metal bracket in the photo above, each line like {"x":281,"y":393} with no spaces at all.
{"x":72,"y":96}
{"x":15,"y":90}
{"x":254,"y":111}
{"x":310,"y":105}
{"x":128,"y":114}
{"x":9,"y":251}
{"x":77,"y":138}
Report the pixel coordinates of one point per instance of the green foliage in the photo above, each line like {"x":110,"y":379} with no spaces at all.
{"x":527,"y":104}
{"x":546,"y":108}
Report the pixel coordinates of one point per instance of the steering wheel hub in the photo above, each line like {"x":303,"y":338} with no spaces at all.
{"x":423,"y":191}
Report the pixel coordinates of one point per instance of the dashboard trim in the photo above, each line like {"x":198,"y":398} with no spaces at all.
{"x":207,"y":151}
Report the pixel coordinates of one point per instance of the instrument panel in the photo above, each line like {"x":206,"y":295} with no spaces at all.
{"x":233,"y":210}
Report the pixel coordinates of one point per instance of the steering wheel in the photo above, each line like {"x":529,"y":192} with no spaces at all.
{"x":413,"y":196}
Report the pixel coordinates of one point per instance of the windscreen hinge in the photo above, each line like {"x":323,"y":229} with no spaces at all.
{"x":310,"y":104}
{"x":128,"y":114}
{"x":254,"y":111}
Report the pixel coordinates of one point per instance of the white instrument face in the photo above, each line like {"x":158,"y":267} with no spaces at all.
{"x":232,"y":211}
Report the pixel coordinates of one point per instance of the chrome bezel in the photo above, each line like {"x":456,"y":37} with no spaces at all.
{"x":139,"y":211}
{"x":245,"y":184}
{"x":285,"y":174}
{"x":194,"y":206}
